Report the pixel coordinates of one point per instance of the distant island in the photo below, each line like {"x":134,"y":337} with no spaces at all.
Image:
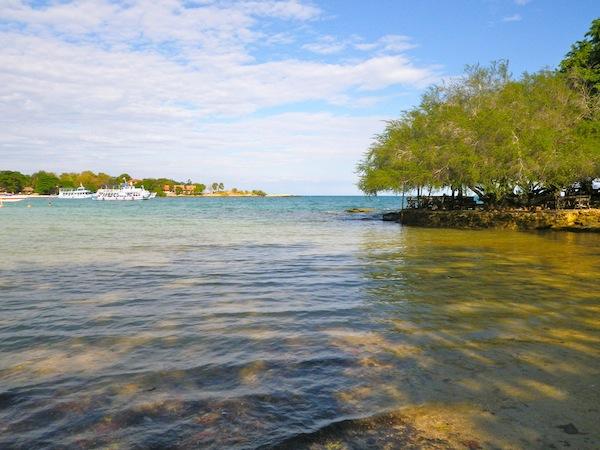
{"x":487,"y":142}
{"x":48,"y":183}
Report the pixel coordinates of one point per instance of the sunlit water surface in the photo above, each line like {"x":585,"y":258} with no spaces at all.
{"x":240,"y":323}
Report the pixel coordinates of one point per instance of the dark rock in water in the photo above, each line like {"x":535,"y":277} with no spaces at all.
{"x":569,"y":428}
{"x":359,"y":210}
{"x":391,"y":216}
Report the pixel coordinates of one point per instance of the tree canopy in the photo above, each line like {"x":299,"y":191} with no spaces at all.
{"x":498,"y":136}
{"x":11,"y":181}
{"x":584,"y":58}
{"x":45,"y":182}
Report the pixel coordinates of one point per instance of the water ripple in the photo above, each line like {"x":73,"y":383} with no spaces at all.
{"x":286,"y":324}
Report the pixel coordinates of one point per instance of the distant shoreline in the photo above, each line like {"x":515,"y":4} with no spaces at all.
{"x":229,"y":195}
{"x":54,"y":196}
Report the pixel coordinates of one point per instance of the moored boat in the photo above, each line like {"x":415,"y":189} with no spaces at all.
{"x":75,"y":194}
{"x":11,"y":198}
{"x":124,"y":192}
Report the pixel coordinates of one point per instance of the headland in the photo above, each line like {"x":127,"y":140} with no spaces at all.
{"x":560,"y":220}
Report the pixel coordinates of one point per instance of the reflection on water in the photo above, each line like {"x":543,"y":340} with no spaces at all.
{"x":286,"y":323}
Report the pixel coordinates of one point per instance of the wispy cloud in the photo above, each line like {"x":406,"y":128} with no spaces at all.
{"x":522,"y":2}
{"x":390,"y":43}
{"x":326,"y":45}
{"x":513,"y":18}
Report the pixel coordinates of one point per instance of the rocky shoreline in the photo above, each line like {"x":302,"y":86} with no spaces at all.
{"x":587,"y":220}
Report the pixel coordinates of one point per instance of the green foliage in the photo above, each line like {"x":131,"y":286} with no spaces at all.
{"x":68,"y":180}
{"x":200,"y":188}
{"x":11,"y":181}
{"x":259,"y":193}
{"x":45,"y":182}
{"x":583,"y":61}
{"x":489,"y":133}
{"x":87,"y":179}
{"x":156,"y":184}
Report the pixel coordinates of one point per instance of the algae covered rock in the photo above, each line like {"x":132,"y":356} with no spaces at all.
{"x":359,"y":210}
{"x":568,"y":220}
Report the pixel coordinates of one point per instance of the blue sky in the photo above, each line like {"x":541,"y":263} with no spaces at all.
{"x":279,"y":95}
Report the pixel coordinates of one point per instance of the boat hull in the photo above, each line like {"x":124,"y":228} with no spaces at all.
{"x":125,"y":193}
{"x":119,"y":199}
{"x":81,"y":197}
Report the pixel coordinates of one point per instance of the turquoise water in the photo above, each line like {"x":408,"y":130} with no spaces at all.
{"x":241,"y":323}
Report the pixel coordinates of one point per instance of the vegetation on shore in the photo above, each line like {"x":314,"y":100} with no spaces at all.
{"x":43,"y":182}
{"x":508,"y":140}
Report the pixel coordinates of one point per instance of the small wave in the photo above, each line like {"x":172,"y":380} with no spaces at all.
{"x":384,"y":430}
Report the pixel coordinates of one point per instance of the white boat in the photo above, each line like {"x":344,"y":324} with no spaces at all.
{"x":74,"y":194}
{"x":10,"y":198}
{"x":124,"y":192}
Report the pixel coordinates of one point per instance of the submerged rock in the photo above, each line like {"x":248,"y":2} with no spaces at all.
{"x":359,"y":210}
{"x":569,"y":428}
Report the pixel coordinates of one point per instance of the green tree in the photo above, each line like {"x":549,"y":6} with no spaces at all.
{"x":67,"y":180}
{"x":45,"y":182}
{"x":214,"y":187}
{"x":104,"y":179}
{"x":506,"y":140}
{"x":221,"y":187}
{"x":583,"y":60}
{"x":12,"y":181}
{"x":89,"y":180}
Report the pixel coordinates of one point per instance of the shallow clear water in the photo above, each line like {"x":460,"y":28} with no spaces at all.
{"x":242,"y":323}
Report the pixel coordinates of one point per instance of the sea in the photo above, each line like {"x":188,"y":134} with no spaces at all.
{"x":288,"y":322}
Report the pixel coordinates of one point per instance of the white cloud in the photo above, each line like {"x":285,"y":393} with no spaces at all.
{"x":513,"y":18}
{"x":326,"y":45}
{"x":161,"y":89}
{"x":288,"y":9}
{"x":390,"y":43}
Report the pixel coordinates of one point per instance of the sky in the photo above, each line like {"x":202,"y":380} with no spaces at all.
{"x":283,"y":96}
